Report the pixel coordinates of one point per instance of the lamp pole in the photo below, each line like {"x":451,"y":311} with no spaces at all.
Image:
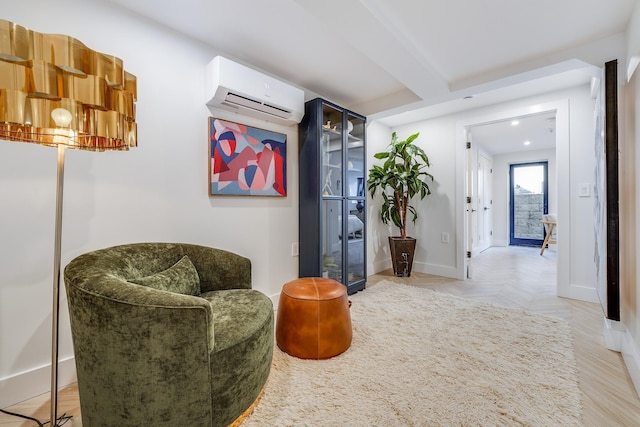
{"x":56,"y":288}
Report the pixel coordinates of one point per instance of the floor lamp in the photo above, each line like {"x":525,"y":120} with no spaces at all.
{"x":57,"y":92}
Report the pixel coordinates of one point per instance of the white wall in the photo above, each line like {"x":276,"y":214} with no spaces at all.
{"x":443,"y":140}
{"x":501,"y":164}
{"x":378,"y":256}
{"x":633,"y":42}
{"x":156,"y":192}
{"x":629,"y":210}
{"x":435,"y":212}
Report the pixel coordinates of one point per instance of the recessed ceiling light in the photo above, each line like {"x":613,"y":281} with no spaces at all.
{"x":515,"y":123}
{"x":527,"y":143}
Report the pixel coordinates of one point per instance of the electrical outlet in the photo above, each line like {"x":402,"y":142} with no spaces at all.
{"x":294,"y":249}
{"x":445,"y":237}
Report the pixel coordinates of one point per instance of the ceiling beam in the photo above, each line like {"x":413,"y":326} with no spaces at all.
{"x":368,"y":28}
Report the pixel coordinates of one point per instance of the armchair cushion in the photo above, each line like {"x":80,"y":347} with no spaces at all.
{"x":181,"y":277}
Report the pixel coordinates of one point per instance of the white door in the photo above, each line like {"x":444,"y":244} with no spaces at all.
{"x":484,"y":203}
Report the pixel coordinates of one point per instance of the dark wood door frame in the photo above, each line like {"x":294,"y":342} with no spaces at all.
{"x":612,"y":306}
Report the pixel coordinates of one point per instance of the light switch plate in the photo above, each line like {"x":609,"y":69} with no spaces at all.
{"x":584,"y":190}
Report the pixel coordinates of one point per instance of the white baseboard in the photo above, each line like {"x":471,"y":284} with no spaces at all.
{"x":35,"y":382}
{"x":617,"y":338}
{"x":379,"y":266}
{"x":435,"y":269}
{"x":579,"y":292}
{"x":613,"y":334}
{"x":631,"y":356}
{"x":420,"y":267}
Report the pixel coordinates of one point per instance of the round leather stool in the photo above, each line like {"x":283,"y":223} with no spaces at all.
{"x":313,"y":321}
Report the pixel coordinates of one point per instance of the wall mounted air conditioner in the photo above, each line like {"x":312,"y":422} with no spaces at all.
{"x":234,"y":87}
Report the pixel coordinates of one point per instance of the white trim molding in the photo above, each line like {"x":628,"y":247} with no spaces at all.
{"x":631,"y":356}
{"x":35,"y":382}
{"x":436,"y":270}
{"x":617,"y":338}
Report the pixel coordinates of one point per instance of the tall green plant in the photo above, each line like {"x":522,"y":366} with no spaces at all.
{"x":399,"y":179}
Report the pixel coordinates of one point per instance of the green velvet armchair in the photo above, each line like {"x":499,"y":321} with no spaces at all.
{"x":167,"y":334}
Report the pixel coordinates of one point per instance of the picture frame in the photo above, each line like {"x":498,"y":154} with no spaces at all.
{"x":246,"y":160}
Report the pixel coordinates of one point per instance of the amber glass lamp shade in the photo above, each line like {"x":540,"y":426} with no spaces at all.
{"x":43,"y":74}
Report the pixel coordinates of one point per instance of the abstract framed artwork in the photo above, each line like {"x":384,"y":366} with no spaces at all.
{"x":246,"y":161}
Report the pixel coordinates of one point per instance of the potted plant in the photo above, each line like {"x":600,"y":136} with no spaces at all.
{"x":401,"y":177}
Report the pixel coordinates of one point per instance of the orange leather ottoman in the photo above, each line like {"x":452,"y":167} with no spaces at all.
{"x":313,"y":321}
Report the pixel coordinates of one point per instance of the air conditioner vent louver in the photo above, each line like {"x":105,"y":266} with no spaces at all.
{"x":277,"y":108}
{"x":245,"y":91}
{"x":239,"y":100}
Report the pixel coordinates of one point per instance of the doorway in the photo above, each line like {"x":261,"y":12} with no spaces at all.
{"x":528,"y":202}
{"x":500,"y":210}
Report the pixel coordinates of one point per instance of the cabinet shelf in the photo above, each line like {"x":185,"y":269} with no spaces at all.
{"x":335,"y":135}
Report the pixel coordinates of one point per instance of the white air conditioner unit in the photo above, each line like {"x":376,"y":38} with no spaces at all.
{"x":234,"y":87}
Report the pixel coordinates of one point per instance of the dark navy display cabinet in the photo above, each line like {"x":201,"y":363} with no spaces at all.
{"x":332,"y":170}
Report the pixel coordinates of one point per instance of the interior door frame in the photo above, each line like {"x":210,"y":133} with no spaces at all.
{"x":564,"y":248}
{"x":469,"y":210}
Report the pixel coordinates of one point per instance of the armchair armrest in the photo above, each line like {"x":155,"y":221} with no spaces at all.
{"x":112,"y":293}
{"x":130,"y":340}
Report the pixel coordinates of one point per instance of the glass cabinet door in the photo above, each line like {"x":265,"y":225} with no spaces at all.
{"x":356,"y":260}
{"x":356,"y":191}
{"x":332,"y":253}
{"x":331,"y":151}
{"x":356,"y":166}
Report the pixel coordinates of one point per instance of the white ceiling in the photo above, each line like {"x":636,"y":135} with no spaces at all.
{"x":405,"y":60}
{"x":511,"y":135}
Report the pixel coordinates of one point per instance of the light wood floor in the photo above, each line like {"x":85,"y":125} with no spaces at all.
{"x":520,"y":277}
{"x":514,"y":277}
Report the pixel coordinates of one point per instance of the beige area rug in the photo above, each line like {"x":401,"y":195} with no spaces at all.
{"x":423,"y":358}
